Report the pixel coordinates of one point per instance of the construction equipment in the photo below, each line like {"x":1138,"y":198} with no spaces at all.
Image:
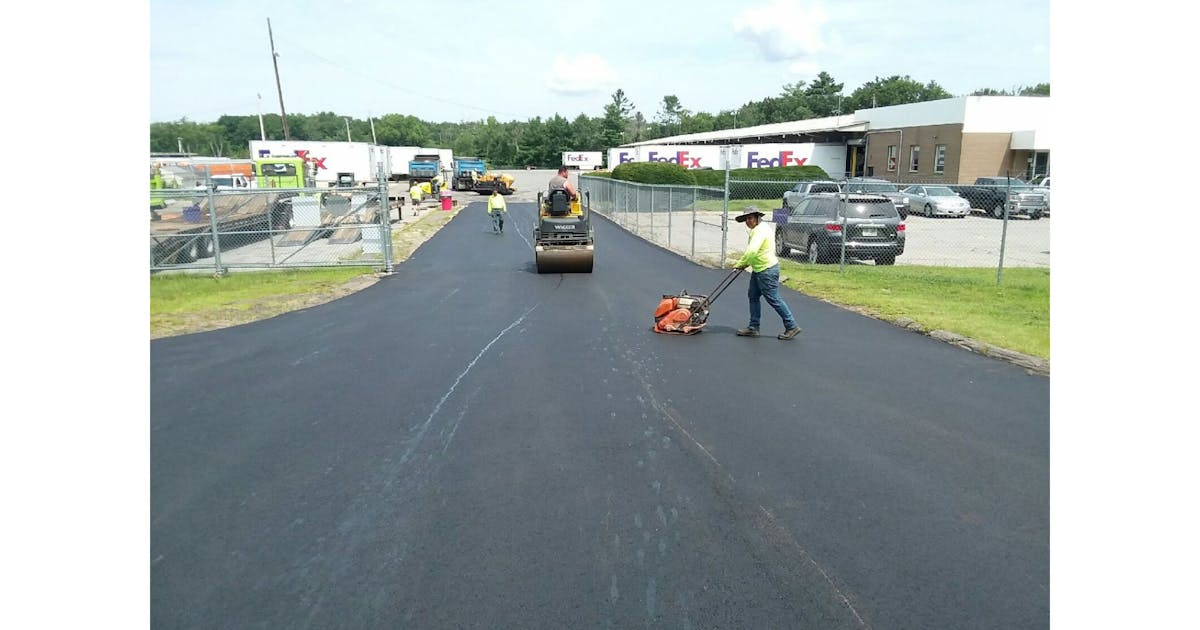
{"x":486,"y":183}
{"x":465,"y":171}
{"x":686,"y":314}
{"x":563,"y":241}
{"x":424,"y":167}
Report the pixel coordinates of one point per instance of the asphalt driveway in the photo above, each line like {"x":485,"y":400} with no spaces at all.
{"x":468,"y":443}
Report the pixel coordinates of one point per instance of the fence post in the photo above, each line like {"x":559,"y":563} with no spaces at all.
{"x":637,"y":209}
{"x":725,"y":216}
{"x":652,"y":239}
{"x":842,"y":220}
{"x":695,"y":200}
{"x":212,"y":217}
{"x":1004,"y":229}
{"x":385,"y":225}
{"x":670,"y":209}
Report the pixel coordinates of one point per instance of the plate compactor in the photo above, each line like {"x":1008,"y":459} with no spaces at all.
{"x":686,"y":314}
{"x":563,"y":241}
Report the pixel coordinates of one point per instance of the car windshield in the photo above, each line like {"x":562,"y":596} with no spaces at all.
{"x":875,"y":209}
{"x":939,"y":191}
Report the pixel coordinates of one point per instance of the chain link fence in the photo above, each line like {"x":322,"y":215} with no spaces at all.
{"x":922,"y":222}
{"x":217,"y":223}
{"x":684,"y":219}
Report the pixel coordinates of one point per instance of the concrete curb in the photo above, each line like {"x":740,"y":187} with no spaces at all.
{"x":1035,"y":365}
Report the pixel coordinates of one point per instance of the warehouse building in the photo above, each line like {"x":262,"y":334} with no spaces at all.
{"x":951,"y":140}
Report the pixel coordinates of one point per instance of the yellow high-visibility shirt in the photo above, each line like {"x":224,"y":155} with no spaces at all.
{"x":496,"y":202}
{"x":760,"y":251}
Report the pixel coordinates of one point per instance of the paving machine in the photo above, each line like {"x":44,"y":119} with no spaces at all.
{"x":563,"y":241}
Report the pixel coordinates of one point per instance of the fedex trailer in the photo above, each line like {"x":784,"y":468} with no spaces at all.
{"x":327,"y":159}
{"x":831,"y":157}
{"x":687,"y":156}
{"x":583,"y":160}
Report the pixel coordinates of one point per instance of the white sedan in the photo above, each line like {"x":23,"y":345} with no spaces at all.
{"x":936,"y":201}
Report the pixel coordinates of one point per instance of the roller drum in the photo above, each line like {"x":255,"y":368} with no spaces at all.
{"x":574,"y":260}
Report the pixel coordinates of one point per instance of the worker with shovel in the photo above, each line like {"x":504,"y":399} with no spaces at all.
{"x":760,"y":259}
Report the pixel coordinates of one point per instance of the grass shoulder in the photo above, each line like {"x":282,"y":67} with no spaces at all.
{"x":1014,"y":315}
{"x":190,"y":303}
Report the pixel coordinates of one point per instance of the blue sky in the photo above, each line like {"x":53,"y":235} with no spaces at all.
{"x":516,"y":60}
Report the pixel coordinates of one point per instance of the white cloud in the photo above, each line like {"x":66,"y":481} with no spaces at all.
{"x":803,"y":68}
{"x":581,"y":74}
{"x":784,"y":30}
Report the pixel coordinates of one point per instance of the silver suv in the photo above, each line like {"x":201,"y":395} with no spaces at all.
{"x":792,"y":197}
{"x":871,"y":227}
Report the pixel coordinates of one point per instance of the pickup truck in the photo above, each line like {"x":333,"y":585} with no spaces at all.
{"x":1041,"y":184}
{"x":990,"y":195}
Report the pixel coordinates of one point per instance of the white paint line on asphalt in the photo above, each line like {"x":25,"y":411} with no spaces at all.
{"x":425,"y":426}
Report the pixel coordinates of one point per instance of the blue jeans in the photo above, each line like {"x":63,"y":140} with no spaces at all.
{"x":765,"y":284}
{"x":497,"y":221}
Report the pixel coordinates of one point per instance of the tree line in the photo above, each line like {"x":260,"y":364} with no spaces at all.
{"x":540,"y":142}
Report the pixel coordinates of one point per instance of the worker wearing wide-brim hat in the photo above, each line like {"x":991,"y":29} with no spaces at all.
{"x":763,"y":264}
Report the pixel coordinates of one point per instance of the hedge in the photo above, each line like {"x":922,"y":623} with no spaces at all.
{"x":654,"y":173}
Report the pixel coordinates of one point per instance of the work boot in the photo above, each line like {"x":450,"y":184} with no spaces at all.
{"x":789,"y":333}
{"x":747,"y":332}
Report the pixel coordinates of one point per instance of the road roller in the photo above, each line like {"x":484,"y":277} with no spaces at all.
{"x":563,"y":240}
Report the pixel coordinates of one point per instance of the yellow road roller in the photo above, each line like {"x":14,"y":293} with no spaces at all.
{"x":563,"y":241}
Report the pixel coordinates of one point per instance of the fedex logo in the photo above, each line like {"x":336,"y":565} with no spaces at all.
{"x":784,"y":159}
{"x":318,"y":163}
{"x":681,"y":158}
{"x":623,"y":157}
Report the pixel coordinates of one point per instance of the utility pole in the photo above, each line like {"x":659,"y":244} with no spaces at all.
{"x":372,"y":121}
{"x":347,"y":130}
{"x":287,"y":133}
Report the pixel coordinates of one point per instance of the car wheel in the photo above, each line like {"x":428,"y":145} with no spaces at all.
{"x":281,"y":215}
{"x":998,"y":211}
{"x":929,"y":211}
{"x":204,"y":247}
{"x":780,"y":249}
{"x":189,"y":251}
{"x":814,"y":252}
{"x":889,"y":259}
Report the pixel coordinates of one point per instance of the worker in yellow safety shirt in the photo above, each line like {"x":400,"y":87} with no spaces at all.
{"x":763,"y":264}
{"x":497,"y":207}
{"x":414,"y":191}
{"x":436,"y":184}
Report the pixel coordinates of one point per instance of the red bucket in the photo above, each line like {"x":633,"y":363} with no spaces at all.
{"x":447,"y":203}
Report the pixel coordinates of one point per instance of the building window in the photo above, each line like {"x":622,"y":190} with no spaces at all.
{"x":914,"y":157}
{"x":891,"y":160}
{"x":939,"y":159}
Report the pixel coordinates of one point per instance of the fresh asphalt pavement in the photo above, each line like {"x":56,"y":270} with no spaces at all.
{"x":468,"y":443}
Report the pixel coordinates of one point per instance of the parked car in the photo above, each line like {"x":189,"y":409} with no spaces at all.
{"x":992,"y":194}
{"x":936,"y":201}
{"x":880,"y":187}
{"x":1041,"y":184}
{"x":793,"y":196}
{"x":871,"y":226}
